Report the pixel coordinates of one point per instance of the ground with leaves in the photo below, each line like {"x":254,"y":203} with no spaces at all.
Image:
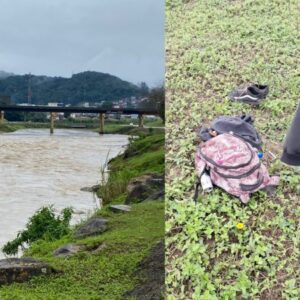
{"x":212,"y":47}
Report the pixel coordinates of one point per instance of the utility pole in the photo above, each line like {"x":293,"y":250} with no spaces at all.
{"x":29,"y":96}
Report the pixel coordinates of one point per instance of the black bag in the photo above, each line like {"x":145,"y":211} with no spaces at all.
{"x":240,"y":126}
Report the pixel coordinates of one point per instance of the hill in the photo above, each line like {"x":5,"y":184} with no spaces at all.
{"x":4,"y":74}
{"x":86,"y":86}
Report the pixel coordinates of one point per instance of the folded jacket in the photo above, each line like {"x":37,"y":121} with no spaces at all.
{"x":240,"y":126}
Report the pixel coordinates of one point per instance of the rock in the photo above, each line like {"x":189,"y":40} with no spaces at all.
{"x":156,"y":196}
{"x":99,"y":248}
{"x":141,"y":188}
{"x":68,"y":250}
{"x":91,"y":227}
{"x":79,"y":212}
{"x":22,"y":269}
{"x":90,"y":189}
{"x":120,"y":208}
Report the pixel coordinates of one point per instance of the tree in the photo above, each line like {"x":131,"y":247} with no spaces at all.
{"x":144,"y":89}
{"x":157,"y":100}
{"x":107,"y":105}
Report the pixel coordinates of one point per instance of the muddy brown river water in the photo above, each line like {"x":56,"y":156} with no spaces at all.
{"x":37,"y":169}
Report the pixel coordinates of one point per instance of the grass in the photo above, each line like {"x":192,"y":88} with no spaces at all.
{"x":9,"y":127}
{"x":106,"y":275}
{"x":213,"y":46}
{"x":112,"y":272}
{"x":144,"y":155}
{"x":130,"y":130}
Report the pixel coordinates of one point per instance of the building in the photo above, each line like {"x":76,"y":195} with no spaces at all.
{"x":57,"y":115}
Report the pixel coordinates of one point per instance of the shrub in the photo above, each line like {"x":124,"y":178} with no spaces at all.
{"x":44,"y":224}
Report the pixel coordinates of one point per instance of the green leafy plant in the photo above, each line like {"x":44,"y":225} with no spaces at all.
{"x":44,"y":224}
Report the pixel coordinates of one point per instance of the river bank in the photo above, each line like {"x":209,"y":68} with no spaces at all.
{"x":117,"y":266}
{"x":38,"y":170}
{"x":111,"y":126}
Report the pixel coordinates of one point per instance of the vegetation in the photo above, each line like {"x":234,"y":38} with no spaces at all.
{"x":9,"y":127}
{"x":42,"y":225}
{"x":86,"y":86}
{"x":156,"y":99}
{"x":144,"y":155}
{"x":105,"y":275}
{"x":109,"y":273}
{"x":213,"y":46}
{"x":111,"y":126}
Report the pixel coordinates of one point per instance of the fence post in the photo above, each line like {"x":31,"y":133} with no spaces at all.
{"x":101,"y":123}
{"x":1,"y":117}
{"x":51,"y":122}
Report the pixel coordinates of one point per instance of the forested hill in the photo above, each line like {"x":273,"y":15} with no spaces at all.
{"x":82,"y":87}
{"x":4,"y":74}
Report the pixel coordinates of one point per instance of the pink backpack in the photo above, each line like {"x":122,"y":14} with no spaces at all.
{"x":234,"y":166}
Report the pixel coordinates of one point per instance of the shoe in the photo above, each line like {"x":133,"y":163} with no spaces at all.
{"x":262,"y":89}
{"x":251,"y":94}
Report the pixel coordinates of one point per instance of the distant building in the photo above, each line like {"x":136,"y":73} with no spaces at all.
{"x":150,"y":117}
{"x":57,"y":115}
{"x":56,"y":104}
{"x":26,"y":104}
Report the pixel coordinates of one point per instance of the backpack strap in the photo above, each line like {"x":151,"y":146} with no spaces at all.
{"x":197,"y":185}
{"x":252,"y":187}
{"x":256,"y":167}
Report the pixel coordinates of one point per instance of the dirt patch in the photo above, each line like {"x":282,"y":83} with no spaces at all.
{"x":152,"y":269}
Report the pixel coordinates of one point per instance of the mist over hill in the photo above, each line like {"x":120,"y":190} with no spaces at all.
{"x":86,"y":86}
{"x":4,"y":74}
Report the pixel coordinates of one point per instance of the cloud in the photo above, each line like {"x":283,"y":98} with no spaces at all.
{"x":61,"y":37}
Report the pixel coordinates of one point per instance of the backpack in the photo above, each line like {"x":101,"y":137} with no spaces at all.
{"x":234,"y":166}
{"x":240,"y":126}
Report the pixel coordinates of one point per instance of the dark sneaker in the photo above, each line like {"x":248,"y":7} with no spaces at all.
{"x":261,"y":89}
{"x":252,"y":94}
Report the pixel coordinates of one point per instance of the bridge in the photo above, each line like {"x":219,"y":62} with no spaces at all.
{"x":75,"y":109}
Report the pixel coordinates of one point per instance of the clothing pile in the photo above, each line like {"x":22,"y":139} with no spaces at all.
{"x":230,"y":158}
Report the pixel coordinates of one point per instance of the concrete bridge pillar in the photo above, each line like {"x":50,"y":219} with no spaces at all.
{"x":101,"y":123}
{"x":1,"y":117}
{"x":141,"y":120}
{"x":51,"y":123}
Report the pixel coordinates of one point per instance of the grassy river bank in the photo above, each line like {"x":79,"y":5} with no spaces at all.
{"x":111,"y":126}
{"x":111,"y":272}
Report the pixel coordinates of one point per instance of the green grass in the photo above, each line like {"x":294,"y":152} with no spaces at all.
{"x":130,"y":130}
{"x":213,"y":46}
{"x":144,"y":155}
{"x":106,"y":275}
{"x":9,"y":127}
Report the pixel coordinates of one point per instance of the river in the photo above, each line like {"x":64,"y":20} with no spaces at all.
{"x":37,"y":170}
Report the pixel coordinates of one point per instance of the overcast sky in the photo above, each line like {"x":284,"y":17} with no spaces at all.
{"x":60,"y":37}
